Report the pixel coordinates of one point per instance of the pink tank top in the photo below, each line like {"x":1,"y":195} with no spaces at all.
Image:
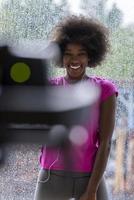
{"x":83,"y":143}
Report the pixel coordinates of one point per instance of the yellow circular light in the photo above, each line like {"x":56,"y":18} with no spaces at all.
{"x":20,"y":72}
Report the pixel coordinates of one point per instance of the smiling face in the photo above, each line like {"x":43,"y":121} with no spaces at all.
{"x":75,"y":60}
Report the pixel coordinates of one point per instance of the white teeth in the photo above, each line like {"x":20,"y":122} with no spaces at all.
{"x":75,"y":67}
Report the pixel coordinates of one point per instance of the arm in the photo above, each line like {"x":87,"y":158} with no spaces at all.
{"x":107,"y":119}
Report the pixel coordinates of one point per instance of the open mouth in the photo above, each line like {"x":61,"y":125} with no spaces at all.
{"x":75,"y":67}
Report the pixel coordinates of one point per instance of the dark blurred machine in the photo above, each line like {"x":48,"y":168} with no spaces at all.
{"x":31,"y":109}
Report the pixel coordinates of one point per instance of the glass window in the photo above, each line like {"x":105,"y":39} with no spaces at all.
{"x":33,"y":20}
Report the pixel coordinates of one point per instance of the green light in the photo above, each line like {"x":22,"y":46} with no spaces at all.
{"x":20,"y":72}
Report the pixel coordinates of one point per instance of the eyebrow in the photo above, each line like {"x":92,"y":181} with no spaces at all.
{"x":82,"y":49}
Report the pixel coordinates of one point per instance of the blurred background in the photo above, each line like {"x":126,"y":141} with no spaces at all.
{"x":22,"y":20}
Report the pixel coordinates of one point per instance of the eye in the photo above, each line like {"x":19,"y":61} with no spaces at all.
{"x":83,"y":54}
{"x":67,"y":54}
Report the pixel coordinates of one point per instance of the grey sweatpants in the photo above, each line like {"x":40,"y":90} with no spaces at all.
{"x":57,"y":185}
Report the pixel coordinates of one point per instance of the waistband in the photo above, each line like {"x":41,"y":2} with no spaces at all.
{"x":68,"y":173}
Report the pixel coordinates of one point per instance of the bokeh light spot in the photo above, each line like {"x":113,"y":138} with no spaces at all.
{"x":20,"y":72}
{"x":78,"y":135}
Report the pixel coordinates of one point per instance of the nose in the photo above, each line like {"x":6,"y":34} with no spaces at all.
{"x":75,"y":59}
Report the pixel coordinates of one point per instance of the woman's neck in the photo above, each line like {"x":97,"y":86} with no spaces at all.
{"x":74,"y":80}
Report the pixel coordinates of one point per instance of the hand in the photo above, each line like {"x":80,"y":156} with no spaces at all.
{"x":87,"y":196}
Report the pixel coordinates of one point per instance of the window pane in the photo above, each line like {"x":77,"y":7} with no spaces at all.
{"x":33,"y":20}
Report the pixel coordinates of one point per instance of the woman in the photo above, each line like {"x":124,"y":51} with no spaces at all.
{"x":83,"y":43}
